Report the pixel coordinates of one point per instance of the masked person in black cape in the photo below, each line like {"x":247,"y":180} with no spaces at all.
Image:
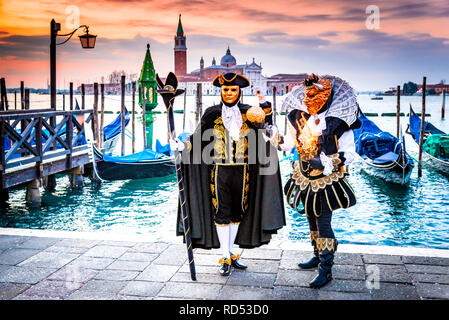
{"x":322,"y":115}
{"x":232,"y":180}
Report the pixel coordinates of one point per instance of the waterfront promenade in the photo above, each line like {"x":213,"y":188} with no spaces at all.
{"x":36,"y":264}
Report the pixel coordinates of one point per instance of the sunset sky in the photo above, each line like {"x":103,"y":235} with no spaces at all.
{"x":324,"y":37}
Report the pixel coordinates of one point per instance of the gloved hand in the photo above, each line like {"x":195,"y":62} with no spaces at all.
{"x":176,"y":144}
{"x":315,"y":163}
{"x":270,"y":131}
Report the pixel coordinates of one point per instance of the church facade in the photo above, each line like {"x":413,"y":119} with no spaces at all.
{"x":205,"y":74}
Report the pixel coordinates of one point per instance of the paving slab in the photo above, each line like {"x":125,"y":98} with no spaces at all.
{"x":48,"y":259}
{"x":245,"y":293}
{"x":159,"y":273}
{"x":29,"y":275}
{"x":382,"y":259}
{"x":129,"y":265}
{"x":389,"y":273}
{"x":14,"y":256}
{"x":430,"y":278}
{"x":52,"y":289}
{"x":142,"y":288}
{"x":426,"y":260}
{"x":150,"y":247}
{"x":174,"y":255}
{"x":246,"y":278}
{"x":434,"y":291}
{"x":116,"y":275}
{"x":38,"y":243}
{"x":190,"y":290}
{"x":295,"y":278}
{"x":91,"y":262}
{"x":200,"y":278}
{"x":417,"y":268}
{"x":8,"y":242}
{"x":335,"y":295}
{"x":395,"y":291}
{"x":73,"y":273}
{"x":294,"y":293}
{"x":105,"y":251}
{"x":11,"y":290}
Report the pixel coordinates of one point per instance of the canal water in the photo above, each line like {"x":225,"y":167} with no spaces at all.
{"x":416,"y":215}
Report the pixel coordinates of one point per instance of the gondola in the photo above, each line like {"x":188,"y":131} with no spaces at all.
{"x":435,"y":143}
{"x":140,"y":165}
{"x":384,"y":156}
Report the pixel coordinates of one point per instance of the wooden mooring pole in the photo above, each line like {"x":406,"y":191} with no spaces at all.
{"x":22,"y":95}
{"x":102,"y":115}
{"x":122,"y":110}
{"x":71,"y":95}
{"x":95,"y":116}
{"x":421,"y":131}
{"x":443,"y":104}
{"x":83,"y":96}
{"x":184,"y":114}
{"x":398,"y":111}
{"x":199,"y":99}
{"x":4,"y":96}
{"x":15,"y":100}
{"x":133,"y":124}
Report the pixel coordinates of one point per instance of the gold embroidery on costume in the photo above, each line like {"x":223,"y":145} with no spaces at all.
{"x":224,"y":147}
{"x":220,"y":143}
{"x":316,"y":184}
{"x":313,"y":235}
{"x":213,"y":187}
{"x":245,"y":189}
{"x":326,"y":243}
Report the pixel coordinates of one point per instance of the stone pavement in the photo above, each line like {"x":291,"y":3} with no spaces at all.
{"x":67,"y":268}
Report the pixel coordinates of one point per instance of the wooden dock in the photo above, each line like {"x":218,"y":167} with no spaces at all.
{"x":36,"y":147}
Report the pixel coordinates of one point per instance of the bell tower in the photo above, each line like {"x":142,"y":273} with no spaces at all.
{"x":180,"y":51}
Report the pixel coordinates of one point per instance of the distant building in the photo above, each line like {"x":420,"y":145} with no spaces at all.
{"x":205,"y":75}
{"x":284,"y":83}
{"x":228,"y":63}
{"x":439,"y":88}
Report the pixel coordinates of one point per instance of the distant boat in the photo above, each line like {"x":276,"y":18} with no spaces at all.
{"x":377,"y":98}
{"x":384,"y":156}
{"x":435,"y":142}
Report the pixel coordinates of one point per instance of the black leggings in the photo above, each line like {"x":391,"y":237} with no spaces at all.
{"x":322,"y":224}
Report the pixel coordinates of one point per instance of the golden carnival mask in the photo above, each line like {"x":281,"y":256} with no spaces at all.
{"x":230,"y":94}
{"x":317,"y":93}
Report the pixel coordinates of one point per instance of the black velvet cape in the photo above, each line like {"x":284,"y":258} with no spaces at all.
{"x":265,"y":214}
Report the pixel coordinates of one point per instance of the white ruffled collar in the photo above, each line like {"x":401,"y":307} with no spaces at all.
{"x":232,"y":120}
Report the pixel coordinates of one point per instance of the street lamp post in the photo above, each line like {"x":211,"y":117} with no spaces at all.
{"x":87,"y":42}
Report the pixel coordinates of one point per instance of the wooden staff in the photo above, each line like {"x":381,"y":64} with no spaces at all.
{"x":398,"y":110}
{"x":168,"y":95}
{"x":421,"y":131}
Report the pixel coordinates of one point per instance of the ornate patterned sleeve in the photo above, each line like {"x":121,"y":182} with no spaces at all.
{"x":346,"y":147}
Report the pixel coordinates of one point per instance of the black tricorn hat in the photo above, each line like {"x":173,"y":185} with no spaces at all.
{"x":230,"y":79}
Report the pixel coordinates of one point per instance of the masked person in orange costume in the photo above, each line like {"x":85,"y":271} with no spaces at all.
{"x":229,"y":196}
{"x":322,"y":113}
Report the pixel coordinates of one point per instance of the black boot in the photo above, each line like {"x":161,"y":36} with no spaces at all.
{"x":312,"y":263}
{"x":315,"y":261}
{"x":235,"y":262}
{"x":225,"y":268}
{"x":326,"y":247}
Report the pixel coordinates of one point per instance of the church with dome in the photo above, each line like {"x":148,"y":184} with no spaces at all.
{"x":205,"y":74}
